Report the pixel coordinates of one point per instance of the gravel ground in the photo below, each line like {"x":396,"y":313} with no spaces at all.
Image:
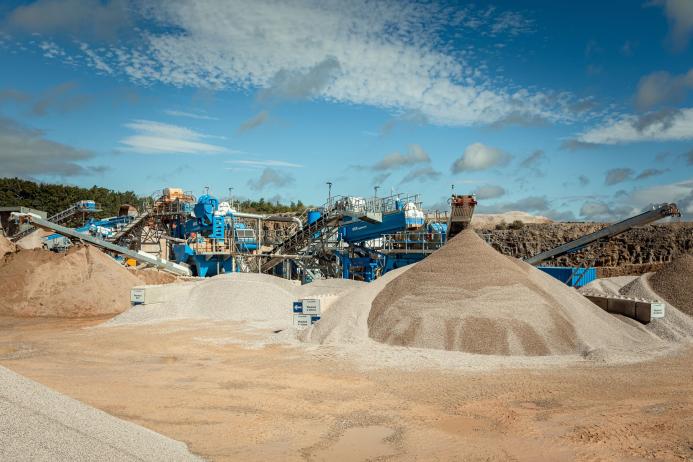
{"x":39,"y":424}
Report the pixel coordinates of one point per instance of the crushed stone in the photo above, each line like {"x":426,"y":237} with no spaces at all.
{"x":37,"y":423}
{"x":674,"y":283}
{"x":469,"y":297}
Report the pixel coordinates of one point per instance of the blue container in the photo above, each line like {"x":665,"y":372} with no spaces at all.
{"x":571,"y":276}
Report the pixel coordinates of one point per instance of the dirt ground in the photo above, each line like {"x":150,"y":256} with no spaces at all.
{"x":227,"y":401}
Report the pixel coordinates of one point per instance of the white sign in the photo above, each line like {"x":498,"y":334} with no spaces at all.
{"x":311,"y":306}
{"x":301,"y":321}
{"x":657,"y":310}
{"x":137,"y":295}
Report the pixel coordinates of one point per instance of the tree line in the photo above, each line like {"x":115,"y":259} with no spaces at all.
{"x":53,"y":198}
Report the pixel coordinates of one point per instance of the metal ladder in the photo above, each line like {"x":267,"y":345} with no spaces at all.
{"x":301,"y":239}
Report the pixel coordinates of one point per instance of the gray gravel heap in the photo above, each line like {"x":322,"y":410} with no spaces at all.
{"x":674,"y":282}
{"x":39,"y":424}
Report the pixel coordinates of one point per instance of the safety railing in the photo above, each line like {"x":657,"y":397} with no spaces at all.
{"x":412,"y":242}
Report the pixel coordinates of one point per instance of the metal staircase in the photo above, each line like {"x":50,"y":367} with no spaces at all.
{"x":60,"y":217}
{"x":128,"y":229}
{"x":301,"y":239}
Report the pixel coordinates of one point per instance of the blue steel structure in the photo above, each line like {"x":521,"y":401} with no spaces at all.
{"x":208,"y":238}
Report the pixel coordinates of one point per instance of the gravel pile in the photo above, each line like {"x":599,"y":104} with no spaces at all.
{"x":674,"y":283}
{"x":84,"y":282}
{"x":608,"y":286}
{"x":260,"y":299}
{"x":37,"y":423}
{"x":675,"y":326}
{"x":469,"y":297}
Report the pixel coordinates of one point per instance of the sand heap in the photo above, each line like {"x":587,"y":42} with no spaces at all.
{"x":83,"y":282}
{"x":469,"y":297}
{"x":153,"y":276}
{"x":674,"y":283}
{"x":6,"y":246}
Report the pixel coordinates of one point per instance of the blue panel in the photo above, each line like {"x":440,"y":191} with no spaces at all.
{"x":359,"y":231}
{"x":573,"y":277}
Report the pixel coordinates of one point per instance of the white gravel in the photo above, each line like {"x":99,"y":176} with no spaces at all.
{"x":260,"y":300}
{"x":39,"y":424}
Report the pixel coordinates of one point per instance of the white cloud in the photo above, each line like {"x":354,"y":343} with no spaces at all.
{"x":391,"y":55}
{"x":421,"y":174}
{"x":662,"y":193}
{"x":489,"y":192}
{"x":191,"y":115}
{"x":264,"y":163}
{"x":51,"y":49}
{"x":94,"y":60}
{"x":671,"y":125}
{"x":478,"y":156}
{"x":415,"y":155}
{"x":160,"y":138}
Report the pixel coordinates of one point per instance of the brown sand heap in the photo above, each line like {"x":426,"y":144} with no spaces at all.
{"x":469,"y":297}
{"x":153,"y":276}
{"x":674,"y":282}
{"x":6,"y":246}
{"x":83,"y":282}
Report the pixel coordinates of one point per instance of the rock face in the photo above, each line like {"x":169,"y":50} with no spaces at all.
{"x":646,"y":248}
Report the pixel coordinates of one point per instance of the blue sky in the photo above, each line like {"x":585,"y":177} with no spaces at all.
{"x":572,"y":110}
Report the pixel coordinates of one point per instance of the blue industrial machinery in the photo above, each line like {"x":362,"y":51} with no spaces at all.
{"x":209,"y":238}
{"x":105,"y":228}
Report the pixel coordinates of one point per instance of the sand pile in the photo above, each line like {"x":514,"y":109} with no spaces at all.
{"x":6,"y":246}
{"x":153,"y":276}
{"x":468,"y":297}
{"x":33,"y":240}
{"x":674,"y":283}
{"x":84,"y":282}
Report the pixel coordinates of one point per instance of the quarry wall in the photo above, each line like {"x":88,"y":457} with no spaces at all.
{"x":639,"y":250}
